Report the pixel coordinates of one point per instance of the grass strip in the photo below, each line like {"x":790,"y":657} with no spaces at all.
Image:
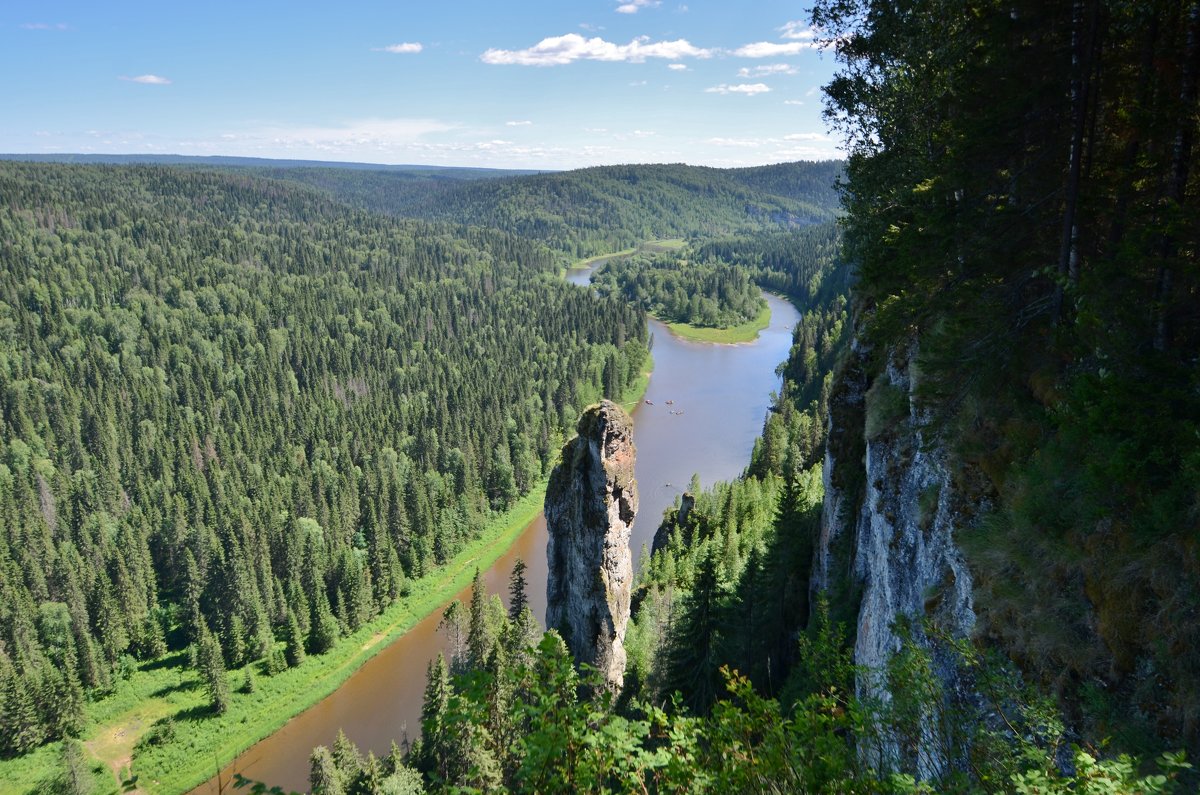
{"x":203,"y":742}
{"x":745,"y":332}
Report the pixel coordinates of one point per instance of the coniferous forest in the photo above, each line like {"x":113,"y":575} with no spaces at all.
{"x":244,"y":409}
{"x":1021,"y":209}
{"x":235,"y":412}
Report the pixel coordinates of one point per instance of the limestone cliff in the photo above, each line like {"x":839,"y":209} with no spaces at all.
{"x":887,"y":534}
{"x":591,"y":503}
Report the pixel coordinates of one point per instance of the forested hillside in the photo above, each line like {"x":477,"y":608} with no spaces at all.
{"x":610,"y":208}
{"x":1022,"y":218}
{"x":1024,"y":207}
{"x":234,"y":413}
{"x":737,"y":680}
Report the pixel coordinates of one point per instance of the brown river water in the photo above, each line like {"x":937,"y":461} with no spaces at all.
{"x":723,"y":392}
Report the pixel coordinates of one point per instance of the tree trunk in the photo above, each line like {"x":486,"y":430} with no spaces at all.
{"x":1181,"y":156}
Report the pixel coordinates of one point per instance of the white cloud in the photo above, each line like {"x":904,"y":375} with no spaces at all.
{"x":149,"y":80}
{"x":768,"y":69}
{"x":806,"y":137}
{"x":677,"y":67}
{"x":403,"y":48}
{"x":797,"y":30}
{"x":746,"y":143}
{"x":45,"y":26}
{"x":523,"y":123}
{"x":772,"y":49}
{"x":749,"y":89}
{"x":633,"y":6}
{"x":793,"y":102}
{"x":559,"y":50}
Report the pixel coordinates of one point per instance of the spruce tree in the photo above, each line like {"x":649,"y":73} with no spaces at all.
{"x":211,"y":666}
{"x":479,"y":639}
{"x":293,"y":640}
{"x":323,"y":776}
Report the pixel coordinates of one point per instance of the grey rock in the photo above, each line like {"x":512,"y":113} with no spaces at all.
{"x":591,"y":502}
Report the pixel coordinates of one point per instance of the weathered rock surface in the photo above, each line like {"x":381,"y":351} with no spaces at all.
{"x":887,"y":531}
{"x":591,"y":503}
{"x":662,"y":536}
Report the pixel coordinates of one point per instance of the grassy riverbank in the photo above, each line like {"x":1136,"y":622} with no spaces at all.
{"x":648,"y":246}
{"x":203,"y":743}
{"x":745,"y":332}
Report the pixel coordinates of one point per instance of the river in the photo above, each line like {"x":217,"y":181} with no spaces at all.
{"x":721,"y":393}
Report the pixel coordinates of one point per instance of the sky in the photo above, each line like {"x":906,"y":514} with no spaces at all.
{"x":546,"y":84}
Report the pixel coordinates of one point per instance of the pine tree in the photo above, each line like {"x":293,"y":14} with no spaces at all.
{"x":347,"y":757}
{"x":694,"y":648}
{"x":293,"y":641}
{"x":74,"y":777}
{"x":517,"y":598}
{"x":21,"y":728}
{"x":479,"y":639}
{"x":211,"y":665}
{"x":323,"y":777}
{"x":325,"y":628}
{"x":452,"y":622}
{"x":432,"y":758}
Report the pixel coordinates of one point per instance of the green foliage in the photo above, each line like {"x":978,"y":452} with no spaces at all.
{"x":528,"y":721}
{"x":610,"y":208}
{"x":886,"y":407}
{"x":681,"y":290}
{"x":212,"y":670}
{"x":1021,"y":198}
{"x":166,"y":338}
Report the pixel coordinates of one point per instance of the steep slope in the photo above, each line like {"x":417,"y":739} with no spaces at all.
{"x":1027,"y":215}
{"x":591,"y":502}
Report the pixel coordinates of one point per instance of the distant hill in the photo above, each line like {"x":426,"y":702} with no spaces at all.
{"x":580,"y":213}
{"x":609,"y":208}
{"x":455,"y":172}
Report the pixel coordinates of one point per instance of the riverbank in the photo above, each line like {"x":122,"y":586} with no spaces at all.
{"x":648,"y":246}
{"x":166,"y":692}
{"x":688,"y":422}
{"x":744,"y":332}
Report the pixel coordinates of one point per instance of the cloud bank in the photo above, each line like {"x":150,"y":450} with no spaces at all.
{"x":560,"y":50}
{"x":749,"y":89}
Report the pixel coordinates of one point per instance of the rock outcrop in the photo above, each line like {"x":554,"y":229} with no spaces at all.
{"x":662,"y":536}
{"x":887,"y":536}
{"x":591,"y":503}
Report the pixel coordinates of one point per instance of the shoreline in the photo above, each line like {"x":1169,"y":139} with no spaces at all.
{"x":427,"y":597}
{"x":733,"y":335}
{"x":164,"y":688}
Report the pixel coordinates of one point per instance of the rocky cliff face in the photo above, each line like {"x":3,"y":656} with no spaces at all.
{"x":591,"y":503}
{"x":887,"y":536}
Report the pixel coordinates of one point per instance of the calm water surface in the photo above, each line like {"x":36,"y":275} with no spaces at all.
{"x":723,"y":394}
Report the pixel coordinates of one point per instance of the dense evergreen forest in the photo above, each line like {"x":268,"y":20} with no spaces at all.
{"x":737,"y":680}
{"x":1022,"y":207}
{"x":1020,"y":213}
{"x":1023,"y":203}
{"x":609,"y":208}
{"x":239,"y":416}
{"x":716,"y":281}
{"x":677,"y":290}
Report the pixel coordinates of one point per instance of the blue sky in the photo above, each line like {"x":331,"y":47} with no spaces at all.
{"x":556,"y":84}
